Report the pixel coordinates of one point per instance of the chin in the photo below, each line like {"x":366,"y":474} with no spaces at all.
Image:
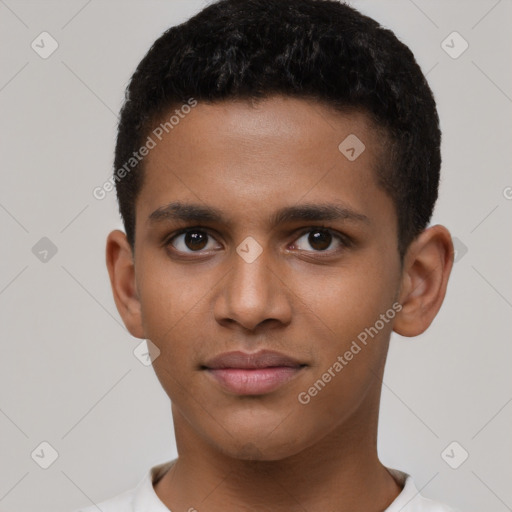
{"x":255,"y":445}
{"x":259,"y":452}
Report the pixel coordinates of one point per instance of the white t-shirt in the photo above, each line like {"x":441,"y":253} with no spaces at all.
{"x":143,"y":498}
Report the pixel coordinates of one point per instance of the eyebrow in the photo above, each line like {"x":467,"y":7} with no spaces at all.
{"x":189,"y":212}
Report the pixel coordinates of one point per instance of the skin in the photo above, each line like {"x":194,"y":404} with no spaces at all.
{"x":248,"y":160}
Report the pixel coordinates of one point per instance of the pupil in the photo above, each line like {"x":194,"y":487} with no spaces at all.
{"x":195,"y":240}
{"x":320,"y":240}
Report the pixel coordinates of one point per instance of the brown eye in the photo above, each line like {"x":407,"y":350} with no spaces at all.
{"x":193,"y":240}
{"x":196,"y":240}
{"x":320,"y":239}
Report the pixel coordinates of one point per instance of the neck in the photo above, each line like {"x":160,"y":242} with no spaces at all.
{"x":340,"y":472}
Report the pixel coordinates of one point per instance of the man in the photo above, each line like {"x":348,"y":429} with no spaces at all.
{"x":276,"y":167}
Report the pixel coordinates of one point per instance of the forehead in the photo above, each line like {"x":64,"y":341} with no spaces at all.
{"x":283,"y":126}
{"x":253,"y":157}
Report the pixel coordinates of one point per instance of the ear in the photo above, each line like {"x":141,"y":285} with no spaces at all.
{"x":121,"y":269}
{"x":427,"y":266}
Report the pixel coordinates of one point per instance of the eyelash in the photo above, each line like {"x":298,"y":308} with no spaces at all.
{"x":344,"y":240}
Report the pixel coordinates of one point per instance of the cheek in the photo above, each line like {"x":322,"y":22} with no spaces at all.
{"x":166,"y":310}
{"x":350,"y":346}
{"x":175,"y":314}
{"x":346,"y":301}
{"x":166,"y":296}
{"x":176,"y":366}
{"x":351,"y":337}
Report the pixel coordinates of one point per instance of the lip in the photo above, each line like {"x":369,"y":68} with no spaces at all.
{"x":258,"y":373}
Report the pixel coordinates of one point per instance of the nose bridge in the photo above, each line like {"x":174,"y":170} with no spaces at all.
{"x":252,"y":293}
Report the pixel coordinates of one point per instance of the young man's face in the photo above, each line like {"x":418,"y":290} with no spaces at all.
{"x":308,"y":295}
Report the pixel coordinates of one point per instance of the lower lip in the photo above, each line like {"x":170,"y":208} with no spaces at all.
{"x":256,"y":381}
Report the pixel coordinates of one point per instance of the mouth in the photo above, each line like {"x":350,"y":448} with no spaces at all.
{"x":258,"y":373}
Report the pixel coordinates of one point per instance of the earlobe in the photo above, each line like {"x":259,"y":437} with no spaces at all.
{"x":427,"y":267}
{"x":121,"y":270}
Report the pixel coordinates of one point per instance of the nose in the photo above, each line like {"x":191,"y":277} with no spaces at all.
{"x":253,"y":295}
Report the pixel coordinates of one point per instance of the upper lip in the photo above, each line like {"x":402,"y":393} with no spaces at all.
{"x":245,"y":360}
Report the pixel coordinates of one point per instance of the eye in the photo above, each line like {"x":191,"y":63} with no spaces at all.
{"x":192,"y":240}
{"x":320,"y":239}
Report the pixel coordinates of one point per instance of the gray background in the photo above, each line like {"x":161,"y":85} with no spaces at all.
{"x":68,"y":375}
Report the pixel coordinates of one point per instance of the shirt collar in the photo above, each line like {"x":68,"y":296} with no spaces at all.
{"x":145,"y":497}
